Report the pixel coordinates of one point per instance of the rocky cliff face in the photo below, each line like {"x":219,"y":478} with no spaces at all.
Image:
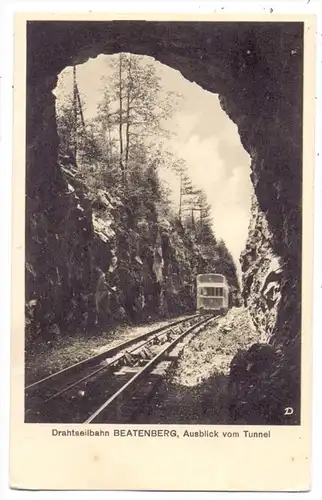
{"x":58,"y":260}
{"x":262,"y":273}
{"x":116,"y":261}
{"x":264,"y":379}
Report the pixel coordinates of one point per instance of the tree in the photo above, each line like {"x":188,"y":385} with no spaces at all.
{"x":227,"y":267}
{"x":68,"y":128}
{"x":187,"y":192}
{"x":128,"y":127}
{"x":204,"y":225}
{"x":133,"y":108}
{"x":104,"y":120}
{"x":70,"y":122}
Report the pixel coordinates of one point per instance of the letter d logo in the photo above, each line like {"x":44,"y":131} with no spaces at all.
{"x":288,"y":411}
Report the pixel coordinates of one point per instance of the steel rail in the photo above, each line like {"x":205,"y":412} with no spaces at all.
{"x":151,"y":364}
{"x":101,"y":356}
{"x":109,"y":365}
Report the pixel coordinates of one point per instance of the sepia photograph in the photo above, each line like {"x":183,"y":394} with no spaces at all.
{"x":163,"y":225}
{"x":165,"y":252}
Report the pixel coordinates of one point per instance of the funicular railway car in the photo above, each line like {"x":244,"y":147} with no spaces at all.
{"x":212,"y":293}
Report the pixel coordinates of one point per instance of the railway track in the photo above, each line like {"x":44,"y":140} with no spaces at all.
{"x":98,"y":388}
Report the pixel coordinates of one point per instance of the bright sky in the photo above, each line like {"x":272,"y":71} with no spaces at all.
{"x":204,"y":137}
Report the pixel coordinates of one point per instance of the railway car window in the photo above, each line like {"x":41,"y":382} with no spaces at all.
{"x":207,"y":291}
{"x":211,"y":292}
{"x":210,"y":278}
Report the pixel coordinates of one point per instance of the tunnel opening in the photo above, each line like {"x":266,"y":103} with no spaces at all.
{"x":256,"y":70}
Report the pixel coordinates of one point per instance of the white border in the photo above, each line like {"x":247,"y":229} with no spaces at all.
{"x":6,"y":54}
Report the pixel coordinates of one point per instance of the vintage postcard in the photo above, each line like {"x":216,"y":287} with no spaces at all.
{"x":162,"y":252}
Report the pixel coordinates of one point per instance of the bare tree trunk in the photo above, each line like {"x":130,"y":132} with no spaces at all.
{"x":192,"y":219}
{"x":75,"y":112}
{"x":129,"y":88}
{"x":180,"y":201}
{"x":109,"y":145}
{"x":107,"y":128}
{"x":201,"y":225}
{"x":121,"y":120}
{"x":108,"y":156}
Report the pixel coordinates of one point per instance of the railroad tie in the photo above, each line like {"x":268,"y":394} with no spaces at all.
{"x":129,"y":359}
{"x":145,"y":353}
{"x":169,"y":335}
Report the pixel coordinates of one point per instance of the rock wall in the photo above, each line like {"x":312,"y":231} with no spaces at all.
{"x":262,"y":271}
{"x":261,"y":393}
{"x":59,"y":261}
{"x":264,"y":379}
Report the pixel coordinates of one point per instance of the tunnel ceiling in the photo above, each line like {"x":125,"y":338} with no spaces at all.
{"x":256,"y":68}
